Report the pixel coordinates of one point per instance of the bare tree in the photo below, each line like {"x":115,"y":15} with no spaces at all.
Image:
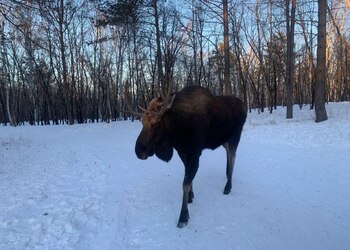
{"x":227,"y":79}
{"x":320,"y":109}
{"x":161,"y":83}
{"x":68,"y":61}
{"x":290,"y":22}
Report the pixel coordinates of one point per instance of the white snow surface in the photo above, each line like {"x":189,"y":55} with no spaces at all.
{"x":82,"y":187}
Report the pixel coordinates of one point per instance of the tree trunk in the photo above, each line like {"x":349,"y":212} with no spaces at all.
{"x":228,"y":87}
{"x":11,"y":120}
{"x":290,"y":17}
{"x":66,"y":90}
{"x":320,"y":109}
{"x":161,"y":83}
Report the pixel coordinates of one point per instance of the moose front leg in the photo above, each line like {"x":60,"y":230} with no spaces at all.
{"x":191,"y":167}
{"x":184,"y":214}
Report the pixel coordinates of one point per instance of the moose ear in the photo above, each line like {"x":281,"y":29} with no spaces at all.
{"x":164,"y":151}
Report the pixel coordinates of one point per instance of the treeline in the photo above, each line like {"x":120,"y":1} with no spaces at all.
{"x":64,"y":61}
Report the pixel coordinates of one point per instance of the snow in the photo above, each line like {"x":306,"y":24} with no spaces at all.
{"x":82,"y":187}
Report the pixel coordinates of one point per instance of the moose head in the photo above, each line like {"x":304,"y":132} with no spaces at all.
{"x":153,"y":139}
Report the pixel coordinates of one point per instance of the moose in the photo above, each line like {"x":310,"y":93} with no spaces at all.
{"x":189,"y":121}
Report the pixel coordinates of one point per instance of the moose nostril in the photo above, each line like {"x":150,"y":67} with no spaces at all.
{"x":144,"y":156}
{"x":140,"y":150}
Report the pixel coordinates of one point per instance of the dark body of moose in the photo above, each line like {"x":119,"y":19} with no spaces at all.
{"x":193,"y":120}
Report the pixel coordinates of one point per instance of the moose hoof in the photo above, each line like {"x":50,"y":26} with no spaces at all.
{"x":227,"y":190}
{"x":184,"y":216}
{"x":181,"y":224}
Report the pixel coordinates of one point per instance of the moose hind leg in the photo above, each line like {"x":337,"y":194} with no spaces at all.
{"x":231,"y":156}
{"x":191,"y":194}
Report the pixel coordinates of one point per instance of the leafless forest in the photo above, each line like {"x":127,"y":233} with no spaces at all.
{"x":79,"y":61}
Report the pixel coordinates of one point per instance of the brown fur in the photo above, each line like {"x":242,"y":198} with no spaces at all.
{"x":196,"y":120}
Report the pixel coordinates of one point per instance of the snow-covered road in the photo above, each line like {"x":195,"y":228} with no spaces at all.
{"x":82,"y":187}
